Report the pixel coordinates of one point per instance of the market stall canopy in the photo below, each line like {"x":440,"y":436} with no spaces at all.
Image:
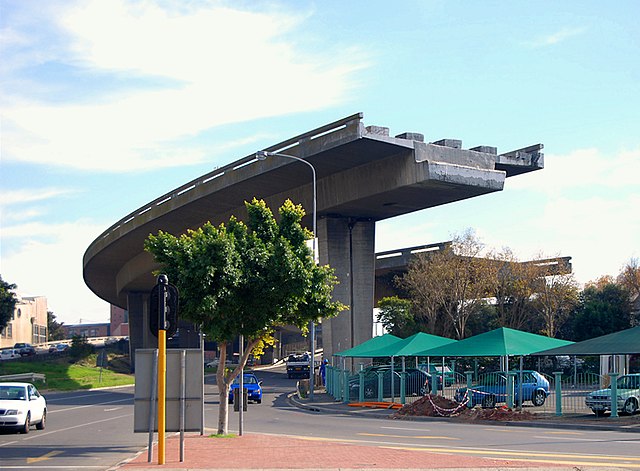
{"x":496,"y":343}
{"x":365,"y":349}
{"x":625,"y":342}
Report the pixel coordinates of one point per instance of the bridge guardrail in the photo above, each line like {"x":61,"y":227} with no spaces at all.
{"x":31,"y":377}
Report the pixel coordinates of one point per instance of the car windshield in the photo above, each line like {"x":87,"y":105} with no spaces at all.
{"x":629,"y":382}
{"x":13,"y":393}
{"x":246,"y":380}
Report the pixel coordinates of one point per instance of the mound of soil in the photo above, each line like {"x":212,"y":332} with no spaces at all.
{"x":438,"y":406}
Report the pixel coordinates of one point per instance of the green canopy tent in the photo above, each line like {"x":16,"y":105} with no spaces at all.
{"x":421,"y":341}
{"x":372,"y":348}
{"x":502,"y":342}
{"x":624,"y":342}
{"x":496,"y":343}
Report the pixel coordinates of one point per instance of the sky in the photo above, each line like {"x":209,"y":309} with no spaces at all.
{"x":106,"y":105}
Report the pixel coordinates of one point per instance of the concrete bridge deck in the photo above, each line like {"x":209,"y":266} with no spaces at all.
{"x":363,"y":175}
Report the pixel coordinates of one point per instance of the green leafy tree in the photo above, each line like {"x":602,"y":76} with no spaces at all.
{"x":80,"y":347}
{"x":246,"y":279}
{"x":54,"y":328}
{"x":8,"y":301}
{"x":396,"y":317}
{"x":602,"y":309}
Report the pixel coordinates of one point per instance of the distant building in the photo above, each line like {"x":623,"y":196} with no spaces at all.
{"x":28,"y":322}
{"x":102,"y":329}
{"x":119,"y":321}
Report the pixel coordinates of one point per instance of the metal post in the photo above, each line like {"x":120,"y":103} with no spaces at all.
{"x":152,"y":404}
{"x":558,"y":379}
{"x":202,"y":403}
{"x":468,"y":374}
{"x":261,"y":155}
{"x":614,"y":394}
{"x":241,"y":389}
{"x":183,"y":393}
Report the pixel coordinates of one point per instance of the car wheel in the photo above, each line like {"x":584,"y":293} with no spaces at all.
{"x":258,"y":401}
{"x":598,"y":413}
{"x":40,"y":425}
{"x":25,"y":427}
{"x":630,"y":406}
{"x":538,"y":398}
{"x":369,"y":392}
{"x":489,"y":402}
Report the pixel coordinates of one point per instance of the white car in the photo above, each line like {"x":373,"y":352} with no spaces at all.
{"x":628,"y":396}
{"x":21,"y":405}
{"x":9,"y":353}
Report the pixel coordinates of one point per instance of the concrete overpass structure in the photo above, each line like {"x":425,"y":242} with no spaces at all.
{"x":394,"y":263}
{"x":364,"y":175}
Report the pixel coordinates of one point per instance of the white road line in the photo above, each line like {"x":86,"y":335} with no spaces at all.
{"x":38,"y":435}
{"x":88,"y":405}
{"x":408,"y":429}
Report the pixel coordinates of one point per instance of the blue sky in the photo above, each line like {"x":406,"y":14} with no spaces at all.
{"x":107,"y":105}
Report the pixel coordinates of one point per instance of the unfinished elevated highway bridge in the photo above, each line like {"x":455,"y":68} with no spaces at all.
{"x":363,"y":175}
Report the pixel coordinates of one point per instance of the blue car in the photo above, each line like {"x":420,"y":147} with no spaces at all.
{"x":253,"y":386}
{"x":492,"y":388}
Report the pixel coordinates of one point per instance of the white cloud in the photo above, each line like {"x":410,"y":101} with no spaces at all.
{"x":218,"y":65}
{"x":582,"y":168}
{"x":557,"y":37}
{"x":48,"y":262}
{"x":11,"y":197}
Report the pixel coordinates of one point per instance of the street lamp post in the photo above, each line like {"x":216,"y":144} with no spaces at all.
{"x":262,"y":155}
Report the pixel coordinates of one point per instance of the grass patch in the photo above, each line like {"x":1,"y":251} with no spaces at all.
{"x":225,"y":435}
{"x":63,"y":374}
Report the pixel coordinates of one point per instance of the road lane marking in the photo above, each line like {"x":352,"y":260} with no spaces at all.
{"x":46,"y":456}
{"x":408,"y":429}
{"x":437,"y":437}
{"x":575,"y":439}
{"x":87,"y":405}
{"x":76,"y":426}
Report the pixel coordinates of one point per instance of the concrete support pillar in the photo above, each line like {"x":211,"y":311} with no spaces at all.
{"x":347,"y":245}
{"x":139,"y":334}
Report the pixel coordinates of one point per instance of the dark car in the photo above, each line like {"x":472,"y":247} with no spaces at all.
{"x":417,"y":382}
{"x":25,"y":349}
{"x":492,"y":388}
{"x":253,"y":386}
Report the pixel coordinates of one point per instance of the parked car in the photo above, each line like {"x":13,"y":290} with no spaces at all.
{"x":251,"y":383}
{"x":21,"y":405}
{"x":492,"y":388}
{"x":58,"y":348}
{"x":417,"y":382}
{"x":628,"y":396}
{"x":9,"y":353}
{"x":449,"y":376}
{"x":25,"y":349}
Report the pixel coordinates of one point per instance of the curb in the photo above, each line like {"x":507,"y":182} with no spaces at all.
{"x":294,"y":400}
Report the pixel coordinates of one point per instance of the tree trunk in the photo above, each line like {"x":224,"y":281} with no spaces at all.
{"x":223,"y":391}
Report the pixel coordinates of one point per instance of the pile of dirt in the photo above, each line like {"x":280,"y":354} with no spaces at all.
{"x":431,"y":406}
{"x":499,"y":414}
{"x":438,"y":406}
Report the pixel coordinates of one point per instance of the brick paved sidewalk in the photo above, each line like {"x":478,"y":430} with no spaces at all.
{"x":276,"y":452}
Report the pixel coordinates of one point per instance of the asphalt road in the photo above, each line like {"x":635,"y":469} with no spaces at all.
{"x":94,"y":430}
